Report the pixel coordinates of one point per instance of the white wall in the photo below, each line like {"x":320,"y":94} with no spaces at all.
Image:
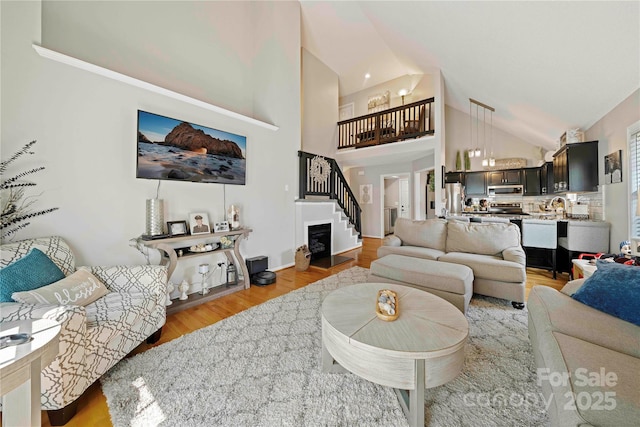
{"x":420,"y":85}
{"x":391,"y":193}
{"x":372,"y":213}
{"x":505,"y":145}
{"x":319,"y":106}
{"x":611,"y":132}
{"x":239,"y":55}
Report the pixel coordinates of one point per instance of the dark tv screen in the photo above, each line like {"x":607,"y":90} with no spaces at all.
{"x":181,"y":151}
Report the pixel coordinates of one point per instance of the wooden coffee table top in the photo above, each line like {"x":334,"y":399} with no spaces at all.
{"x":427,"y":327}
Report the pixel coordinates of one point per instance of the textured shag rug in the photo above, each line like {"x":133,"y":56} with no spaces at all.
{"x":262,"y":367}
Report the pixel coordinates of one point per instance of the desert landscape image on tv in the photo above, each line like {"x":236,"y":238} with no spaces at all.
{"x":181,"y":151}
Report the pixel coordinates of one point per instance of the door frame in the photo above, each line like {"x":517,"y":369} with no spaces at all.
{"x":382,"y":192}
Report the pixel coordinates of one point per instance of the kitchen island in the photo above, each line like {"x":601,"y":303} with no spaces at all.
{"x":550,"y":240}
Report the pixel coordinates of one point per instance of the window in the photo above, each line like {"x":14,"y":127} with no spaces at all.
{"x":634,"y":183}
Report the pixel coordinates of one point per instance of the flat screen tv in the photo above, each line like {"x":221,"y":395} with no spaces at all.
{"x":181,"y":151}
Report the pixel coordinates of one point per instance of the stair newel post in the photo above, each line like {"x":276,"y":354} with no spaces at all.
{"x":302,"y":174}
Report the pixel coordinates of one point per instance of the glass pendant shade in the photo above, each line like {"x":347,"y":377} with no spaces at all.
{"x":478,"y":152}
{"x":492,"y":161}
{"x":471,"y":153}
{"x":485,"y":162}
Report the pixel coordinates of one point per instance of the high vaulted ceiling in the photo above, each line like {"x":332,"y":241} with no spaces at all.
{"x":544,"y":66}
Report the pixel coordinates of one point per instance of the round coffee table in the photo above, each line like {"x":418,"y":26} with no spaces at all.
{"x":423,"y":348}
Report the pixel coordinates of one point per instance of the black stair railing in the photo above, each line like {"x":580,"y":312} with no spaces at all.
{"x":321,"y":176}
{"x":412,"y":120}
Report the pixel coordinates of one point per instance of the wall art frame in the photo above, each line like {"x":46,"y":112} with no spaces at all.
{"x":613,"y":167}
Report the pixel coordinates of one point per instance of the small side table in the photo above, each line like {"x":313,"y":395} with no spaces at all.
{"x":582,"y":268}
{"x":20,"y":368}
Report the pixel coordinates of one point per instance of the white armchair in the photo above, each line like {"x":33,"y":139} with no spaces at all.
{"x":95,"y":337}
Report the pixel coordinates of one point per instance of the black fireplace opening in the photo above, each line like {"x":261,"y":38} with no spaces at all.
{"x":319,"y":238}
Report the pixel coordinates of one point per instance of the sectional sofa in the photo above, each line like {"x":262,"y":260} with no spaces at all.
{"x":492,"y":251}
{"x":588,"y":360}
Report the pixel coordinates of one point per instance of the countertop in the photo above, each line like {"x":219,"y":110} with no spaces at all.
{"x":538,"y":216}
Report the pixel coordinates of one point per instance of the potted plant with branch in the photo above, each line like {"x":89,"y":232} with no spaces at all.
{"x":15,"y":203}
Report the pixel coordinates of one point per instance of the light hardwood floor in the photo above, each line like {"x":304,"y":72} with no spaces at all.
{"x":92,"y":407}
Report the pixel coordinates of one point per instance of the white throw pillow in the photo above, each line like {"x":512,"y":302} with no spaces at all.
{"x":79,"y":288}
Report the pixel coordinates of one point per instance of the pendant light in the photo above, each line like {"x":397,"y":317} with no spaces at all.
{"x":492,"y":160}
{"x":485,"y":161}
{"x":471,"y":151}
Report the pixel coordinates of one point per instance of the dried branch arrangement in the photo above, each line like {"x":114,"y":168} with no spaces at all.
{"x":16,"y":204}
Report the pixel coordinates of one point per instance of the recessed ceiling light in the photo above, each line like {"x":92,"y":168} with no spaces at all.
{"x":366,"y":76}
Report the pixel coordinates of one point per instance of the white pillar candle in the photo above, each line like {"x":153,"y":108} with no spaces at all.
{"x":203,"y":268}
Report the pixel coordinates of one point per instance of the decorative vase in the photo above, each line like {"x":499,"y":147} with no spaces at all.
{"x":233,"y":217}
{"x":155,"y":217}
{"x":458,"y":161}
{"x":170,"y":288}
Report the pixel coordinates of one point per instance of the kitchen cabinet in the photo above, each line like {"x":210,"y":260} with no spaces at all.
{"x":505,"y":177}
{"x":575,"y":167}
{"x":546,"y":178}
{"x":453,"y":177}
{"x":532,"y":181}
{"x":475,"y":184}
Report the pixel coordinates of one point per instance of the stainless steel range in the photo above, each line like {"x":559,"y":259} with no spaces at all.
{"x":506,"y":208}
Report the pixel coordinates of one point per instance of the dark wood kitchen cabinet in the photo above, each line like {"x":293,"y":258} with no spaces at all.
{"x":504,"y":177}
{"x":575,"y":167}
{"x":532,"y":181}
{"x":453,"y":177}
{"x":546,"y":178}
{"x":475,"y":184}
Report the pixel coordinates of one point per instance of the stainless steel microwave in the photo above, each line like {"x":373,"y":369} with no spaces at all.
{"x":505,"y":190}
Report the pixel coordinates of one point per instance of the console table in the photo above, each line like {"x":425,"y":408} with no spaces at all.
{"x":167,"y":249}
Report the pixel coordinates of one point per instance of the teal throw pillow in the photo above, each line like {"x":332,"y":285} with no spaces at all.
{"x":614,"y":289}
{"x":30,"y":272}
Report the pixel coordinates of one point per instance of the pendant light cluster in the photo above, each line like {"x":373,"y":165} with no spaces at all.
{"x":476,"y":152}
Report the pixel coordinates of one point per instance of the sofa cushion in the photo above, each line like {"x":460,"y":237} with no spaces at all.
{"x":32,"y":271}
{"x":431,"y":233}
{"x":481,"y":238}
{"x":488,"y":267}
{"x":79,"y":288}
{"x":410,"y":251}
{"x":613,"y":399}
{"x":555,"y":311}
{"x":571,"y":287}
{"x":613,"y":288}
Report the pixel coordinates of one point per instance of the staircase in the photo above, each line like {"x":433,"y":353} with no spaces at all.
{"x":325,"y":194}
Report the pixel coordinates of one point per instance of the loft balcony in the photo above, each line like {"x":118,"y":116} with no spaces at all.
{"x":388,"y":126}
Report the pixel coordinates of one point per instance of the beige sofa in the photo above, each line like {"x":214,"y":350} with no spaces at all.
{"x":491,"y":250}
{"x":588,"y":361}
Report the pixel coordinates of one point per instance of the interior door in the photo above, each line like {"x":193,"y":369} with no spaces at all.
{"x":405,"y":206}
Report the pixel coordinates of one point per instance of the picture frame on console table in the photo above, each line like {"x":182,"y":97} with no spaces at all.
{"x":221,"y":226}
{"x":199,"y":223}
{"x":177,"y":228}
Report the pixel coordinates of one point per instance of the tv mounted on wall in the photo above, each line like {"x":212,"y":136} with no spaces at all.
{"x":180,"y":151}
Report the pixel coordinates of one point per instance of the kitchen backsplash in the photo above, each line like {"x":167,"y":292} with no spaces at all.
{"x":594,"y":200}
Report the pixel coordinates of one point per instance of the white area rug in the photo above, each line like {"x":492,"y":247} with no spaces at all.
{"x":261,"y":367}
